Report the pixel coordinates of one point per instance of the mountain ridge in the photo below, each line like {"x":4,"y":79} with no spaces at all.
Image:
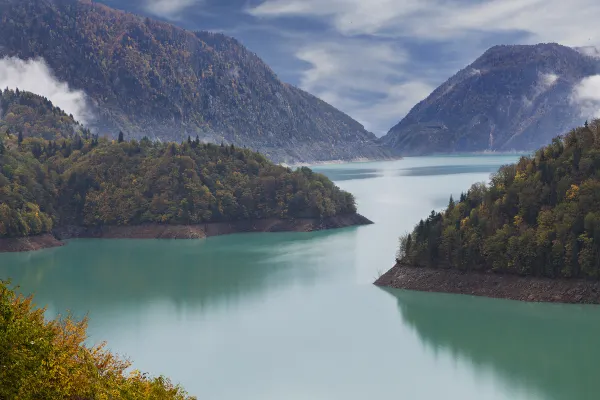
{"x":511,"y":98}
{"x":151,"y":78}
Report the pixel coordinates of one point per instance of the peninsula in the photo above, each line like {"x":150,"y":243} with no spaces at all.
{"x":58,"y":180}
{"x":532,"y":234}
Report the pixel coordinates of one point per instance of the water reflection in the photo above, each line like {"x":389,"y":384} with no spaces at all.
{"x":103,"y":274}
{"x":545,"y":346}
{"x":346,"y":174}
{"x":448,"y":169}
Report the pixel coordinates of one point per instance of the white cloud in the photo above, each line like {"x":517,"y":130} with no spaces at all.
{"x":463,"y":29}
{"x":587,"y":95}
{"x":169,"y":9}
{"x":570,"y":23}
{"x":362,"y":79}
{"x":35,"y":76}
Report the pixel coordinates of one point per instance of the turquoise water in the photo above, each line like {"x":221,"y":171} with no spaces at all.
{"x":295,"y":316}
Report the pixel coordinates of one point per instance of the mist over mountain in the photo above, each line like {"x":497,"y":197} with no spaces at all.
{"x":149,"y":78}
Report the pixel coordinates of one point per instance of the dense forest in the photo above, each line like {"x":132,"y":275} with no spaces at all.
{"x":149,"y":78}
{"x":84,"y":180}
{"x":538,"y":217}
{"x":35,"y":116}
{"x":49,"y":360}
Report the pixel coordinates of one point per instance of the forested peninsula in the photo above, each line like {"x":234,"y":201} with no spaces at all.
{"x":532,"y":234}
{"x":58,"y":180}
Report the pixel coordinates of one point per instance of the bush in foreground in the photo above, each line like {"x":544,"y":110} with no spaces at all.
{"x":42,"y":359}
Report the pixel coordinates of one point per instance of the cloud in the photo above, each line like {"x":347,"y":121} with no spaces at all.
{"x":570,"y":23}
{"x":169,"y":9}
{"x":35,"y":76}
{"x":377,"y":83}
{"x":586,"y":95}
{"x":372,"y":87}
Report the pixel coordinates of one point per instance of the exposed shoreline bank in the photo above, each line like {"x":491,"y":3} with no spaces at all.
{"x":358,"y":160}
{"x":160,"y":231}
{"x":489,"y":284}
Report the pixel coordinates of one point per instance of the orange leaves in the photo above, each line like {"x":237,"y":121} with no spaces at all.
{"x":49,"y":360}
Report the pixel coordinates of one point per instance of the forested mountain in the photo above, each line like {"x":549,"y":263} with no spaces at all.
{"x":510,"y":98}
{"x":31,"y":115}
{"x":540,"y":217}
{"x":83,"y":180}
{"x":149,"y":78}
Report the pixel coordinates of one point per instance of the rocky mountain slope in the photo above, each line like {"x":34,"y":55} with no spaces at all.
{"x":149,"y":78}
{"x":510,"y":98}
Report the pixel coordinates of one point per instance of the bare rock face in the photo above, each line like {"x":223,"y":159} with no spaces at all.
{"x":512,"y":98}
{"x":149,"y":78}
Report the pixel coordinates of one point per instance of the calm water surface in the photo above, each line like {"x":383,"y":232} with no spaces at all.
{"x":295,"y":316}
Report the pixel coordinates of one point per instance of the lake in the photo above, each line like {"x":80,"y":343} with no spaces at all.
{"x":295,"y":315}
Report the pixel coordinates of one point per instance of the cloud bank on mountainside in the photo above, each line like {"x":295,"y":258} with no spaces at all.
{"x":35,"y":76}
{"x":587,"y":96}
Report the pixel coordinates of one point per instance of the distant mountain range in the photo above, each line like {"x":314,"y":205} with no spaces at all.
{"x":510,"y":98}
{"x":149,"y":78}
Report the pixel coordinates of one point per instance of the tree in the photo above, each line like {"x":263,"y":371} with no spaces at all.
{"x":1,"y":146}
{"x":121,"y":138}
{"x":20,"y":138}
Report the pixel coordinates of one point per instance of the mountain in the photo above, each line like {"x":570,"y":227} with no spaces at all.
{"x":539,"y":217}
{"x":510,"y":98}
{"x":81,"y":180}
{"x":149,"y":78}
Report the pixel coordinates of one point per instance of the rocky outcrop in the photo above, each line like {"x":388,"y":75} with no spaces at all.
{"x":30,"y":243}
{"x":159,"y":231}
{"x":491,"y":284}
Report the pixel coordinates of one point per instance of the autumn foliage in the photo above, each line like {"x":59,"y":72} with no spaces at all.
{"x":42,"y":359}
{"x":540,"y":217}
{"x":78,"y":179}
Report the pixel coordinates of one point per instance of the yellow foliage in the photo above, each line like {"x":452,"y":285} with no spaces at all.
{"x":49,"y":360}
{"x":520,"y":176}
{"x":573,"y":192}
{"x":518,"y":220}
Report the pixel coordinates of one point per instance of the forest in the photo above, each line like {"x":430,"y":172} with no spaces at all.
{"x":537,"y":217}
{"x":80,"y":179}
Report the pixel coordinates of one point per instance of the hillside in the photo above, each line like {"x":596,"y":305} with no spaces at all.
{"x":149,"y":78}
{"x":91,"y":182}
{"x":539,"y":217}
{"x":31,"y":115}
{"x":510,"y":98}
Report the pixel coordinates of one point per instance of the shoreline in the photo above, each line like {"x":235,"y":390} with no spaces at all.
{"x":490,"y":284}
{"x":358,"y":160}
{"x":164,"y":231}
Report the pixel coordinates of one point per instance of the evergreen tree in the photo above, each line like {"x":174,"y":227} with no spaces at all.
{"x":121,"y":138}
{"x":20,"y":138}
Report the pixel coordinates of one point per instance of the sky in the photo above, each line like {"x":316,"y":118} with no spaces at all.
{"x":376,"y":59}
